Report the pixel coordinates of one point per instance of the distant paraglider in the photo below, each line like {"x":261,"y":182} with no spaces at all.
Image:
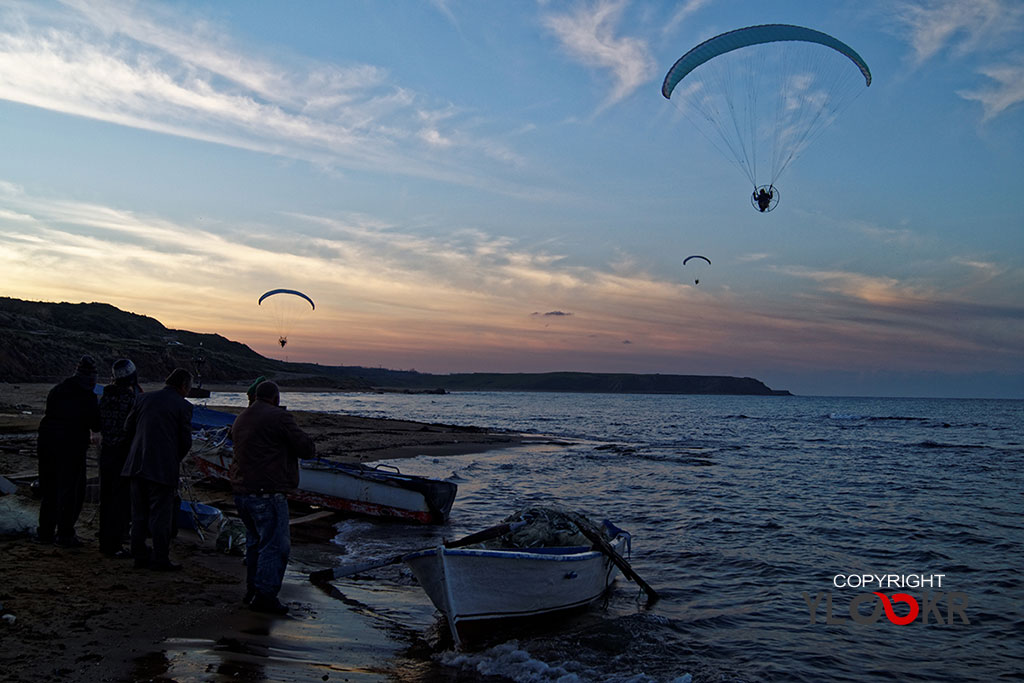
{"x":286,"y":305}
{"x":762,"y":94}
{"x":696,"y":279}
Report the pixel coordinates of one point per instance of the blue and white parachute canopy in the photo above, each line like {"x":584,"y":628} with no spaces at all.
{"x":755,"y":35}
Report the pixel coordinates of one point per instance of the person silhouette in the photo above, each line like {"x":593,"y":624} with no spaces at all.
{"x":764,"y":198}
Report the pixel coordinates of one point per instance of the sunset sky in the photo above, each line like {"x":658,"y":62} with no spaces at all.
{"x":501,"y":187}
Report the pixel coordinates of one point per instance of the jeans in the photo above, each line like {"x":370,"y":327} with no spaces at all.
{"x":267,"y":541}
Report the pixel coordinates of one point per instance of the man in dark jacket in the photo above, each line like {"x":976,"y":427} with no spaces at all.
{"x":115,"y":493}
{"x":71,"y":413}
{"x":265,"y":467}
{"x":160,"y":430}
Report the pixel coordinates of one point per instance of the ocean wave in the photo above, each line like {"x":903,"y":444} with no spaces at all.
{"x":876,"y":418}
{"x":512,"y":661}
{"x":928,"y":443}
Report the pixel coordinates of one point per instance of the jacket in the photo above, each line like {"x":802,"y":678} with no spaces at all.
{"x":71,"y":412}
{"x":160,"y":429}
{"x":268,"y":446}
{"x":115,"y":405}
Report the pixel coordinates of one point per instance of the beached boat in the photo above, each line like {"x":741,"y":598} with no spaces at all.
{"x":381,"y":491}
{"x":479,"y":589}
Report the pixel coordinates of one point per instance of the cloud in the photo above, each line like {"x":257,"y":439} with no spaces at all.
{"x":143,"y":66}
{"x":387,"y":294}
{"x":880,"y":291}
{"x":685,"y":10}
{"x":963,"y":27}
{"x":442,"y":7}
{"x":589,"y":35}
{"x":900,"y":236}
{"x":1007,"y":92}
{"x":990,"y":28}
{"x":980,"y":271}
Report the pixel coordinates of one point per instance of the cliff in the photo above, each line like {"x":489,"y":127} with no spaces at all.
{"x":42,"y":342}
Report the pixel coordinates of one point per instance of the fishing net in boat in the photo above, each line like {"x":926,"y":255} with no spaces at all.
{"x":546,"y":527}
{"x":213,"y":445}
{"x":214,"y":440}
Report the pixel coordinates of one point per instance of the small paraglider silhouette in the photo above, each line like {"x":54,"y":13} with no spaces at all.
{"x":686,"y":260}
{"x":286,"y":304}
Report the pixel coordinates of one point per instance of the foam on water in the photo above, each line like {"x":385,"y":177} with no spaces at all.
{"x":510,"y":661}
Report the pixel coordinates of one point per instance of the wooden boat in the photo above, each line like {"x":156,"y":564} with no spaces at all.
{"x":476,"y":589}
{"x":381,"y":491}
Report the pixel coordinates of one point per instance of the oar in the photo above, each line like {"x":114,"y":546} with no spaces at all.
{"x":600,"y":543}
{"x":323,"y":575}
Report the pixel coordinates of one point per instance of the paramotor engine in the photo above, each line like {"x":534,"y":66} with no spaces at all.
{"x":286,"y":305}
{"x":762,"y":94}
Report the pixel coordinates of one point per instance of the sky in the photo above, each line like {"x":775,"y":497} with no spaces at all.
{"x":502,"y":187}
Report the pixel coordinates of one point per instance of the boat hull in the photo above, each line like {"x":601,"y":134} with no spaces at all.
{"x":357,"y":489}
{"x":477,"y":589}
{"x":351,"y":488}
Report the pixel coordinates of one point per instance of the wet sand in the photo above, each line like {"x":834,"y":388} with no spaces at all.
{"x":80,"y":616}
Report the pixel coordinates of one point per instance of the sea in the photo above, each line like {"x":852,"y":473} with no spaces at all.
{"x":789,"y":537}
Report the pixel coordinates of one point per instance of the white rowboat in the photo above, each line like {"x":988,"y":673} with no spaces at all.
{"x":475,"y":587}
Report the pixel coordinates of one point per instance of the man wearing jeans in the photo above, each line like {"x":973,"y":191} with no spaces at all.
{"x":265,"y":467}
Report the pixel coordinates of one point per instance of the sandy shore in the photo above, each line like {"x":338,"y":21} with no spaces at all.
{"x":79,"y":616}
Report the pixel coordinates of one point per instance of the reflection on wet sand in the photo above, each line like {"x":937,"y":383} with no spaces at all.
{"x":320,"y":636}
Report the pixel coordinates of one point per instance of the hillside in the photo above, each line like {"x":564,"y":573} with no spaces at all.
{"x":42,"y":342}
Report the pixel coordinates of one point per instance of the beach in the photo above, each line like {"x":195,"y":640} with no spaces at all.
{"x":80,"y":616}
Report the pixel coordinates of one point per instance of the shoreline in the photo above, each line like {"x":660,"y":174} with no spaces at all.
{"x":340,"y":437}
{"x":79,"y":615}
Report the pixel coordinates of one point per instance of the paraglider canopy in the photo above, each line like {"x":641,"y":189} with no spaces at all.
{"x":756,"y":35}
{"x":286,"y":305}
{"x":700,"y":259}
{"x":762,"y":94}
{"x":287,"y":291}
